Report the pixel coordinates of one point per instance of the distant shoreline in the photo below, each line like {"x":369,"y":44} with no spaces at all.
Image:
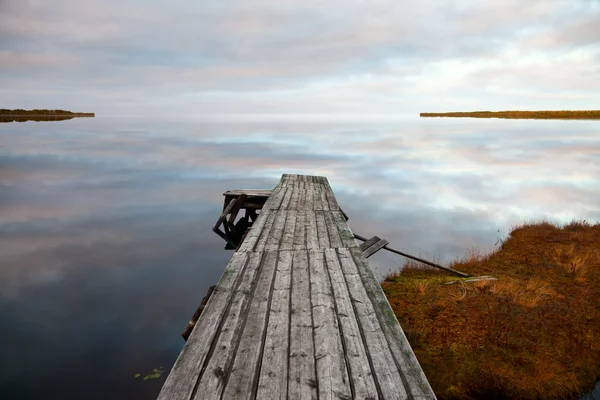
{"x":20,"y":113}
{"x":559,"y":114}
{"x":49,"y":115}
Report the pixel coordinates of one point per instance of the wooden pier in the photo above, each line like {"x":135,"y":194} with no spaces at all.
{"x":297,"y":314}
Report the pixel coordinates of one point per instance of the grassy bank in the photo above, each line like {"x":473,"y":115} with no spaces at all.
{"x":533,"y":333}
{"x":563,"y":114}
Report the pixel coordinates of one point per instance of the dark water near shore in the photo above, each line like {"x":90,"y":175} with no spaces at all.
{"x":105,"y":240}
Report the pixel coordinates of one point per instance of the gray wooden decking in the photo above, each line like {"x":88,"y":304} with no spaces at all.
{"x":298,"y":314}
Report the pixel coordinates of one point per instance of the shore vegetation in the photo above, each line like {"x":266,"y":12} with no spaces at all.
{"x":559,"y":114}
{"x":534,"y":333}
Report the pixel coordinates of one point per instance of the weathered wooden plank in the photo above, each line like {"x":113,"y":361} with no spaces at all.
{"x":332,"y":201}
{"x":184,"y":374}
{"x":288,"y":239}
{"x":261,"y":242}
{"x":302,"y":381}
{"x":260,"y":228}
{"x":318,"y":198}
{"x":322,"y":232}
{"x":273,"y":379}
{"x":382,"y":362}
{"x":292,"y":177}
{"x":300,"y":231}
{"x":374,"y":248}
{"x":215,"y":372}
{"x":343,"y":230}
{"x":413,"y":377}
{"x":310,"y":198}
{"x":365,"y":245}
{"x":249,"y":192}
{"x":358,"y":363}
{"x":324,"y":202}
{"x":276,"y":235}
{"x":247,"y":362}
{"x":293,"y":204}
{"x":312,"y":235}
{"x":274,"y":201}
{"x":285,"y":204}
{"x":301,"y":203}
{"x":334,"y":236}
{"x":332,"y":373}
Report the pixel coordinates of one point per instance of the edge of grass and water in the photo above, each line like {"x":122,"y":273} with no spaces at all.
{"x":530,"y":334}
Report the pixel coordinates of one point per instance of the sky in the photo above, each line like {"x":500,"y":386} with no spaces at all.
{"x":336,"y":57}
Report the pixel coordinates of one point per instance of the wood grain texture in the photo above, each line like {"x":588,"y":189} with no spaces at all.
{"x":289,"y":231}
{"x":370,"y":242}
{"x":375,"y":247}
{"x":361,"y":376}
{"x":322,"y":230}
{"x":414,"y":378}
{"x":300,"y":231}
{"x":273,"y":378}
{"x":382,"y":362}
{"x":312,"y":235}
{"x":261,"y":225}
{"x":298,"y":312}
{"x":343,"y":230}
{"x":275,"y":236}
{"x":332,"y":230}
{"x":274,"y":201}
{"x":332,"y":374}
{"x":269,"y":227}
{"x":248,"y":355}
{"x":302,"y":380}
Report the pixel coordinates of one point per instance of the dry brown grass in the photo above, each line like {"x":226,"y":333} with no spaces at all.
{"x":532,"y":334}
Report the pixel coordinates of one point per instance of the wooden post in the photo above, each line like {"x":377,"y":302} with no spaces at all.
{"x":459,"y":273}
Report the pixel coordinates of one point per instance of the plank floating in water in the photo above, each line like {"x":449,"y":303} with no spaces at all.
{"x":298,"y":314}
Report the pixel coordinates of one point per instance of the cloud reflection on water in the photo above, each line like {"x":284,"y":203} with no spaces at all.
{"x":105,"y":223}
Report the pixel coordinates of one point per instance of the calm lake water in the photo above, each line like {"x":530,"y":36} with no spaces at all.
{"x":105,"y":240}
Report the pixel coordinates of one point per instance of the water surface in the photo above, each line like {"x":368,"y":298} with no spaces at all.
{"x":105,"y":240}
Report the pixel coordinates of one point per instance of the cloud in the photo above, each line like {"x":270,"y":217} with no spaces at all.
{"x":272,"y":58}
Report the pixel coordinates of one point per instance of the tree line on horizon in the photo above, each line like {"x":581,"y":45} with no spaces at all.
{"x":40,"y":112}
{"x":559,"y":114}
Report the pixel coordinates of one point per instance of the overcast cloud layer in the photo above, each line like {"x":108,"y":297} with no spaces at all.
{"x":335,"y":57}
